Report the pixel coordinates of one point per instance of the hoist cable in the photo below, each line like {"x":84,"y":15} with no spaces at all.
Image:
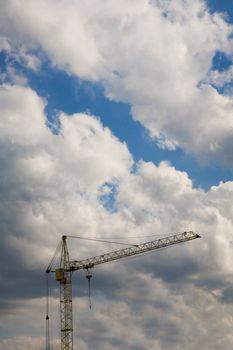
{"x":110,"y":239}
{"x":100,"y":240}
{"x":89,"y":291}
{"x":88,"y":277}
{"x":144,"y":236}
{"x":47,"y":314}
{"x":54,"y":256}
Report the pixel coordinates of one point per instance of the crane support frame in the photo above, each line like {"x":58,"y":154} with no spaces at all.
{"x":67,"y":267}
{"x":66,"y":313}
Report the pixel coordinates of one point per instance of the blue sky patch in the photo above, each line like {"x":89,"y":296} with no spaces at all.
{"x":107,"y":197}
{"x":221,"y":62}
{"x":67,"y":93}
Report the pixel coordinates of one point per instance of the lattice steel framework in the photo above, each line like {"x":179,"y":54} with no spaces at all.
{"x":64,"y":274}
{"x":135,"y":249}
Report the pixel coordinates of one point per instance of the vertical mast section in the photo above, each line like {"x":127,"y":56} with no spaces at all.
{"x":64,"y":276}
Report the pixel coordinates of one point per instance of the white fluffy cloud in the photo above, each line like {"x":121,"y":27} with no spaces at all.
{"x":150,"y":54}
{"x":41,"y":171}
{"x":52,"y":184}
{"x":220,"y":79}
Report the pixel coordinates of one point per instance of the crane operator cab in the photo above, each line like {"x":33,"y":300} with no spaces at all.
{"x":60,"y":275}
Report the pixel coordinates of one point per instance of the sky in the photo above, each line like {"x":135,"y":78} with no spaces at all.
{"x":116,"y":122}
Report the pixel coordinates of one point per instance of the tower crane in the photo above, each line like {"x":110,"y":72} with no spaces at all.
{"x":64,"y":273}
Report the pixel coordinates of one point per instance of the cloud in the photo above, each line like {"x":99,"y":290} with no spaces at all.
{"x":220,"y":79}
{"x":27,"y":343}
{"x":83,"y":180}
{"x":52,"y":184}
{"x":41,"y":171}
{"x":144,"y":53}
{"x":147,"y":313}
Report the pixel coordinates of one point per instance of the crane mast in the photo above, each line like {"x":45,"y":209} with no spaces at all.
{"x":67,"y":267}
{"x":64,"y":276}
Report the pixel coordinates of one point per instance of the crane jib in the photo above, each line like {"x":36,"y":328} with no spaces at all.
{"x":134,"y":250}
